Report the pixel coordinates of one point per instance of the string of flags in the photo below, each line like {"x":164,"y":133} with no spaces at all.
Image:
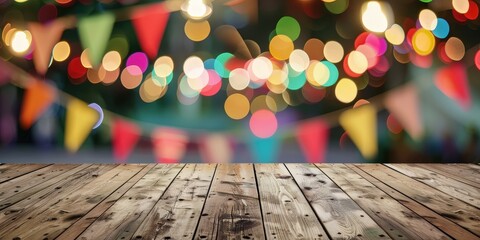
{"x":170,"y":144}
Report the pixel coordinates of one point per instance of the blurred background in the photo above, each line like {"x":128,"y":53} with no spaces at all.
{"x":239,"y":81}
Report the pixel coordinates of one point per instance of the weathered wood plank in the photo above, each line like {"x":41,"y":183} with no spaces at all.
{"x":467,"y":171}
{"x":38,"y":200}
{"x":28,"y":193}
{"x":10,"y":171}
{"x":461,"y":191}
{"x":83,"y":223}
{"x":447,"y":226}
{"x":399,"y":221}
{"x":341,"y":216}
{"x":122,"y":219}
{"x":24,"y":182}
{"x":451,"y":208}
{"x":232,"y":210}
{"x":51,"y":219}
{"x":176,"y":214}
{"x":286,"y":212}
{"x":446,"y":170}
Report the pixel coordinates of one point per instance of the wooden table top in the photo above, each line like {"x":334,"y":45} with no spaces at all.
{"x":240,"y":201}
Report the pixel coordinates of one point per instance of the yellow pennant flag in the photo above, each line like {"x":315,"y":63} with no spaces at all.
{"x":80,"y":121}
{"x":361,"y":126}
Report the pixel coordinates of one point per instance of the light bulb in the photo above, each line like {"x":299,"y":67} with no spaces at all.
{"x":20,"y":41}
{"x":373,"y":18}
{"x":196,"y":9}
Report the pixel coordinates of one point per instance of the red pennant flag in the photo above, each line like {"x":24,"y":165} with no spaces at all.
{"x":44,"y":38}
{"x":150,"y":24}
{"x":216,"y":148}
{"x":452,"y":81}
{"x":404,"y":105}
{"x":169,"y":144}
{"x":312,"y":137}
{"x":125,"y":136}
{"x":37,"y":98}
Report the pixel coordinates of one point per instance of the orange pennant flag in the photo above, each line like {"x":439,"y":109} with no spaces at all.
{"x":37,"y":98}
{"x":404,"y":105}
{"x":44,"y":38}
{"x":150,"y":24}
{"x":80,"y":121}
{"x":169,"y":144}
{"x":216,"y":148}
{"x":361,"y":125}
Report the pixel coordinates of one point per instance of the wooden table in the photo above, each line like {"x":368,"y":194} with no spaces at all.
{"x":240,"y":201}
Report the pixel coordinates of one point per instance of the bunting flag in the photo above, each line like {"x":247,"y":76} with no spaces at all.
{"x":404,"y":105}
{"x":312,"y":137}
{"x":216,"y":148}
{"x":80,"y":120}
{"x":234,"y":42}
{"x":125,"y":136}
{"x":452,"y":81}
{"x":94,"y":33}
{"x":150,"y":24}
{"x":37,"y":98}
{"x":169,"y":144}
{"x":361,"y":126}
{"x":44,"y":38}
{"x":264,"y":150}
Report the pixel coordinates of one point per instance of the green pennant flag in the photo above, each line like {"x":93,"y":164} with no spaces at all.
{"x":94,"y":34}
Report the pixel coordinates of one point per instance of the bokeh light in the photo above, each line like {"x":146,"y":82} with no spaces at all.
{"x":393,"y":125}
{"x":150,"y":92}
{"x":61,"y":51}
{"x":263,"y":124}
{"x":85,"y":60}
{"x":423,"y":42}
{"x":461,"y":6}
{"x":239,"y":79}
{"x":337,"y":6}
{"x":357,"y":62}
{"x":197,"y":30}
{"x":220,"y":62}
{"x":21,"y":41}
{"x":280,"y":47}
{"x":314,"y":48}
{"x":261,"y":67}
{"x":455,"y":49}
{"x":193,"y":67}
{"x":477,"y":59}
{"x":333,"y":51}
{"x":395,"y":34}
{"x":237,"y":106}
{"x":139,"y":59}
{"x":289,"y":27}
{"x":131,"y":76}
{"x":428,"y":19}
{"x":163,"y":66}
{"x":299,"y":60}
{"x":442,"y":29}
{"x":373,"y":17}
{"x":111,"y":61}
{"x":346,"y":90}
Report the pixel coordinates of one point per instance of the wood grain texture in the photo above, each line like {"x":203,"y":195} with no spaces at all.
{"x":83,"y":223}
{"x":466,"y":171}
{"x":176,"y":214}
{"x":10,"y":171}
{"x":341,"y":216}
{"x":447,"y":206}
{"x":448,"y":171}
{"x":447,"y":226}
{"x":399,"y":221}
{"x":60,"y":212}
{"x":286,"y":212}
{"x":123,"y":218}
{"x":232,"y":210}
{"x":29,"y":180}
{"x":452,"y":187}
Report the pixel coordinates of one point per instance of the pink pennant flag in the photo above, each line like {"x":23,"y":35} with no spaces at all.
{"x":125,"y":136}
{"x":150,"y":24}
{"x":404,"y":105}
{"x":169,"y":144}
{"x":44,"y":38}
{"x":312,"y":137}
{"x":37,"y":98}
{"x":216,"y":148}
{"x":452,"y":81}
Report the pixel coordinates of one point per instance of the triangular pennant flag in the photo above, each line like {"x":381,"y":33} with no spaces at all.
{"x":452,"y":81}
{"x":169,"y":144}
{"x":94,"y":33}
{"x":234,"y":42}
{"x":312,"y":137}
{"x":125,"y":136}
{"x":37,"y":98}
{"x":150,"y":24}
{"x":79,"y":122}
{"x":361,"y":125}
{"x":404,"y":105}
{"x":44,"y":38}
{"x":216,"y":148}
{"x":264,"y":150}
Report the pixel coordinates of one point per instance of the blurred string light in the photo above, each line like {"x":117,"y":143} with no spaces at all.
{"x":20,"y":41}
{"x":61,"y":51}
{"x":377,"y":16}
{"x":196,"y":9}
